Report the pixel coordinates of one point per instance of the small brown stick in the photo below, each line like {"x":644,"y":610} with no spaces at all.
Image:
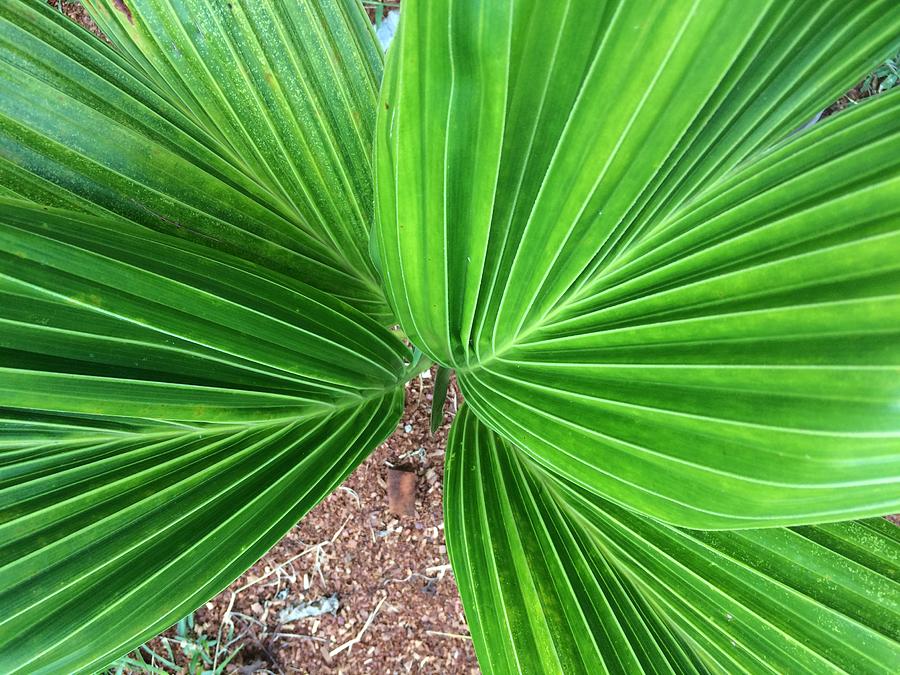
{"x":450,"y":635}
{"x":250,"y":619}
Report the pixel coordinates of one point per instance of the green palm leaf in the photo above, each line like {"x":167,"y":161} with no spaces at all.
{"x":669,"y":304}
{"x":279,"y":175}
{"x":555,"y":579}
{"x":289,"y":87}
{"x":166,"y":417}
{"x":601,"y":217}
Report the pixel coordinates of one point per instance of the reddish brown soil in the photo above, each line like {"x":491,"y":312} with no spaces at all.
{"x":76,"y":12}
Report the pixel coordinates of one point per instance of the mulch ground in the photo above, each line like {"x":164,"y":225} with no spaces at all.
{"x":78,"y":14}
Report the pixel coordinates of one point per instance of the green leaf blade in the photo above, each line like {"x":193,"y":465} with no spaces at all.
{"x":112,"y":135}
{"x":158,"y":532}
{"x":441,"y":382}
{"x":555,"y":578}
{"x":656,"y":288}
{"x":290,"y":86}
{"x":166,"y":415}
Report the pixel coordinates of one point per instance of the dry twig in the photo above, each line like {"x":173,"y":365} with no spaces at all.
{"x":450,"y":635}
{"x":350,"y":643}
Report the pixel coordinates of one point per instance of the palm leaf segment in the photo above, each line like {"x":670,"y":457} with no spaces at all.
{"x":166,"y":417}
{"x":600,"y":216}
{"x":182,"y":374}
{"x":247,"y":130}
{"x":660,"y":299}
{"x":556,"y":579}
